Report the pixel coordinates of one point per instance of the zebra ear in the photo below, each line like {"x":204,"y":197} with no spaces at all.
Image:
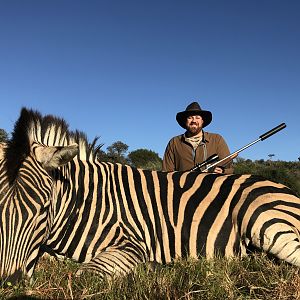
{"x":52,"y":157}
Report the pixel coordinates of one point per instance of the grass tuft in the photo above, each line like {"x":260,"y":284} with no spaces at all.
{"x":255,"y":277}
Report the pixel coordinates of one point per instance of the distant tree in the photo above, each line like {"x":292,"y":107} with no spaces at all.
{"x":102,"y":156}
{"x":3,"y":136}
{"x":260,"y":161}
{"x":271,"y":155}
{"x":145,"y":159}
{"x":117,"y":152}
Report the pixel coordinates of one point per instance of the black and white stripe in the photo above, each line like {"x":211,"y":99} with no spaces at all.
{"x":111,"y":217}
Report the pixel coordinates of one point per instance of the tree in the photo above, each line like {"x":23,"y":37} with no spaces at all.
{"x":117,"y":152}
{"x":3,"y":136}
{"x":271,"y":155}
{"x":102,"y":156}
{"x":145,"y":159}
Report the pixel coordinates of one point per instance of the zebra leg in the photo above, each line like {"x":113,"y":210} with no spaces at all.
{"x":280,"y":240}
{"x":117,"y":260}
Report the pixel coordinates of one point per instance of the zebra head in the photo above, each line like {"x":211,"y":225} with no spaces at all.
{"x":26,"y":189}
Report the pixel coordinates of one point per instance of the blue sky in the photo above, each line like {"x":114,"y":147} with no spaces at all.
{"x":121,"y":70}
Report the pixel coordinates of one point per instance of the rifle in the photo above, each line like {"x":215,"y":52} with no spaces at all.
{"x":213,"y":160}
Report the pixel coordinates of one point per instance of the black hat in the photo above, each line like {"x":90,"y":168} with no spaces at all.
{"x":193,"y":109}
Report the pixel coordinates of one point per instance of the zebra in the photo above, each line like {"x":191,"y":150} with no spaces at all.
{"x":56,"y":195}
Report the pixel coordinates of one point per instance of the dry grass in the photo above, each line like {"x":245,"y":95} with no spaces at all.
{"x":250,"y":278}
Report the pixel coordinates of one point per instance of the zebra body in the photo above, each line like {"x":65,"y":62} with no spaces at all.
{"x":55,"y":194}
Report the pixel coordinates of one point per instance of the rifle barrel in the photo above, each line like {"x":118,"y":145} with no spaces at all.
{"x":261,"y":138}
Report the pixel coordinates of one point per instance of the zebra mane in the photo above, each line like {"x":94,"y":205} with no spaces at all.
{"x":47,"y":130}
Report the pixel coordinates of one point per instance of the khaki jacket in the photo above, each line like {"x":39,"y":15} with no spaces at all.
{"x":180,"y":155}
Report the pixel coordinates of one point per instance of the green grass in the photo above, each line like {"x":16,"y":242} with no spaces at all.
{"x":254,"y":277}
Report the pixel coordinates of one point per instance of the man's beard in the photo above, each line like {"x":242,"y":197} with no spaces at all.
{"x":193,"y":130}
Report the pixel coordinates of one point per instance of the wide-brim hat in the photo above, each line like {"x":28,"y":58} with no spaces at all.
{"x":193,"y":109}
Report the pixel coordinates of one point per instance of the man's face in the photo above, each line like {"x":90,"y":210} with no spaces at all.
{"x":194,"y":124}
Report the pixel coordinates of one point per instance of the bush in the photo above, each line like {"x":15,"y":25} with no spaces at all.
{"x":287,"y":173}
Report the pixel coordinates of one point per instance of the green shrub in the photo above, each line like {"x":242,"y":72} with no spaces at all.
{"x":287,"y":173}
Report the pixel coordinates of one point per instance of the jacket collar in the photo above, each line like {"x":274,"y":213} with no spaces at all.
{"x":205,"y":137}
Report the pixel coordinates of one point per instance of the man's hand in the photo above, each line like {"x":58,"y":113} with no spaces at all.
{"x":218,"y":170}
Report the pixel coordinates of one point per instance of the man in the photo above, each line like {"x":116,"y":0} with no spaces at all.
{"x":185,"y":151}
